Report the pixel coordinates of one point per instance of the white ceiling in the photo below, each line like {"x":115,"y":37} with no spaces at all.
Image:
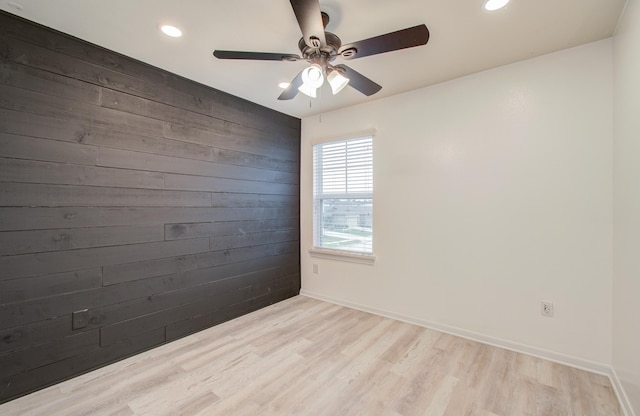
{"x":464,"y":38}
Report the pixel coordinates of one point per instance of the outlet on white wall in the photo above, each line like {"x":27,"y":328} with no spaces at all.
{"x":546,"y":309}
{"x":315,"y":268}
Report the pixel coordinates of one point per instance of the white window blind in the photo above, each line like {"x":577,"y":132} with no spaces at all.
{"x":343,"y":195}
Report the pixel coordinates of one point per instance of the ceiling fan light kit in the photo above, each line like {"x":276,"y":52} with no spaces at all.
{"x":320,"y":48}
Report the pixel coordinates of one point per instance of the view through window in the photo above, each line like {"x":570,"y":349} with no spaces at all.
{"x":343,"y":195}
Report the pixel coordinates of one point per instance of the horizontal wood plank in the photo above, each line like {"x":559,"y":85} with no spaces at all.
{"x":19,"y":123}
{"x":29,"y":288}
{"x":228,"y":186}
{"x":13,"y":170}
{"x":38,"y":195}
{"x":22,"y":147}
{"x":240,"y":201}
{"x":210,"y":229}
{"x":22,"y":242}
{"x":43,"y":309}
{"x":229,"y":136}
{"x":38,"y":218}
{"x":160,"y":163}
{"x":17,"y":99}
{"x":252,"y":239}
{"x":232,"y":157}
{"x":25,"y":265}
{"x":50,"y":352}
{"x":16,"y":338}
{"x":18,"y":75}
{"x":120,"y":273}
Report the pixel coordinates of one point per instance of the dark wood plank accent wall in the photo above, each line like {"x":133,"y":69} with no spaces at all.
{"x":159,"y":205}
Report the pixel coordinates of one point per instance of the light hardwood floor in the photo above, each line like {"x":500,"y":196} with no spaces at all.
{"x":307,"y":357}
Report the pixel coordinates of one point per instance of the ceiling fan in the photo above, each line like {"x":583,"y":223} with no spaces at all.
{"x":320,"y":48}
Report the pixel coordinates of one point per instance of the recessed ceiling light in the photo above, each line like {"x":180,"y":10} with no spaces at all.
{"x":492,"y":5}
{"x":172,"y":31}
{"x":284,"y":85}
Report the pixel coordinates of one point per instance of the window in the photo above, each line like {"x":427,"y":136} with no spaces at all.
{"x":343,"y":196}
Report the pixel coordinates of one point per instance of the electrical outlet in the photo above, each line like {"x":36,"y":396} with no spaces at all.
{"x":80,"y":319}
{"x":315,"y":268}
{"x":546,"y":309}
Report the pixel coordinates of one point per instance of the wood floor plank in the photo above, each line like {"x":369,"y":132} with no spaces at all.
{"x":306,"y":357}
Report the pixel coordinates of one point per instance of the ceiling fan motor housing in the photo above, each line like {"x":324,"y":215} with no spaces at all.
{"x":330,"y":50}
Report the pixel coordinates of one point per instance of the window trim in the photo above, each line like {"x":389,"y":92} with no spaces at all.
{"x":348,"y":256}
{"x":339,"y":255}
{"x":341,"y":137}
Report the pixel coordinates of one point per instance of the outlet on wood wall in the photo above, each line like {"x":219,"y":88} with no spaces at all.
{"x":158,"y":205}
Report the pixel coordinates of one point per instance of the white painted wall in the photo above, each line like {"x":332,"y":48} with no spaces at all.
{"x":626,"y":276}
{"x":492,"y":192}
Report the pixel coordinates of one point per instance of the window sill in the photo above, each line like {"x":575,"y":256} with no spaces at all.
{"x":342,"y":256}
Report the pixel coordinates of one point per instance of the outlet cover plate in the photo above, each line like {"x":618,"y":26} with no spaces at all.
{"x":80,"y":318}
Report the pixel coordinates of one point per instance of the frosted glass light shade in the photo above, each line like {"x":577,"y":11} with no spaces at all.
{"x":307,"y":90}
{"x":312,"y":76}
{"x":337,"y":81}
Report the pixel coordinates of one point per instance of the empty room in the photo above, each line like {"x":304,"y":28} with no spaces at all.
{"x":320,"y":207}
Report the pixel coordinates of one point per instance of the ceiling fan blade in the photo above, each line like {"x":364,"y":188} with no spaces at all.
{"x":359,"y":81}
{"x":292,"y":89}
{"x":310,"y":21}
{"x":258,"y":56}
{"x":401,"y":39}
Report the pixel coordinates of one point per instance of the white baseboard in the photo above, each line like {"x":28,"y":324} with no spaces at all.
{"x":622,"y":396}
{"x":557,"y":357}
